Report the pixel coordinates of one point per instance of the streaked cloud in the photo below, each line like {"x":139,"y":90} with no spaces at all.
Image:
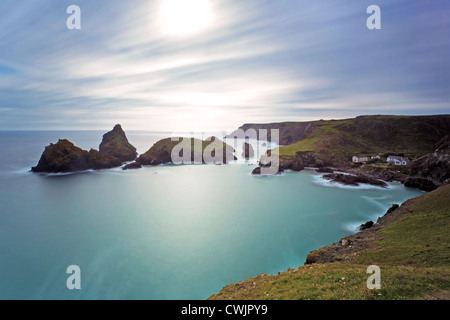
{"x":249,"y":61}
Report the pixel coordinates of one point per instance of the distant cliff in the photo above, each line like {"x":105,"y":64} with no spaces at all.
{"x":289,"y":132}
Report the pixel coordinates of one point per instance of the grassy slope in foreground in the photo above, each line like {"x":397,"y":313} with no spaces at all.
{"x":413,"y":253}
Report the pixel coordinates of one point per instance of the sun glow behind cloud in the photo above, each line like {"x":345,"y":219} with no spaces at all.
{"x":185,"y":18}
{"x":164,"y":65}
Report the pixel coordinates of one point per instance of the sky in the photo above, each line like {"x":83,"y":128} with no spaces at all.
{"x":168,"y":65}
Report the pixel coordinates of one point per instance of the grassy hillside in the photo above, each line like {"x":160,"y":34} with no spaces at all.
{"x":413,"y":253}
{"x":338,"y":140}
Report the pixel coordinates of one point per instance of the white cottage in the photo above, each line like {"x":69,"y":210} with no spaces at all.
{"x":360,"y":158}
{"x":398,"y":161}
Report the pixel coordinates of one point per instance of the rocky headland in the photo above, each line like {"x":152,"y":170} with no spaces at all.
{"x":426,"y":172}
{"x":115,"y":144}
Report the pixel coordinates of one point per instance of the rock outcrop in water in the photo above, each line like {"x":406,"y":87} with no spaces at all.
{"x":270,"y":165}
{"x":295,"y":164}
{"x":65,"y":157}
{"x":325,"y":170}
{"x":352,"y":180}
{"x":211,"y":150}
{"x":366,"y":225}
{"x":115,"y":144}
{"x":132,"y":166}
{"x":248,"y":151}
{"x":420,"y":183}
{"x":100,"y":161}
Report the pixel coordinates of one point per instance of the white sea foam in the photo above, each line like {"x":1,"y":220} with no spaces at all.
{"x":319,"y":180}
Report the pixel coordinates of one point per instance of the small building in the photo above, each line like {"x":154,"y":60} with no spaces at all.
{"x":360,"y":158}
{"x":398,"y":161}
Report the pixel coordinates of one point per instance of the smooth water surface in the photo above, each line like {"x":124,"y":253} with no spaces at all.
{"x":165,"y":232}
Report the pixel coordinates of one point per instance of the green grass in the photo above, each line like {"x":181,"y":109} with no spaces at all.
{"x":337,"y":140}
{"x":289,"y":151}
{"x":421,"y":238}
{"x":413,"y":254}
{"x":340,"y":281}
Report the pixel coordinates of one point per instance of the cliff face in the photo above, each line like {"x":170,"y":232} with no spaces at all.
{"x":436,"y":165}
{"x":115,"y":144}
{"x":289,"y":132}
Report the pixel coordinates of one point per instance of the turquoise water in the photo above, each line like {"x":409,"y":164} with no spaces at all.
{"x":166,"y":232}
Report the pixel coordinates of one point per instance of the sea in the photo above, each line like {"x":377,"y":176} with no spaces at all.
{"x":178,"y":232}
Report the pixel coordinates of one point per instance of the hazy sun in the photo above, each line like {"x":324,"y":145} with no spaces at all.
{"x":185,"y":17}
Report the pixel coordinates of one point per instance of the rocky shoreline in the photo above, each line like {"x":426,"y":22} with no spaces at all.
{"x":352,"y":251}
{"x":426,"y":173}
{"x":349,"y":246}
{"x":351,"y":176}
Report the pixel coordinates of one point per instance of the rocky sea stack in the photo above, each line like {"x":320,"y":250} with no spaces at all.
{"x":64,"y":156}
{"x":115,"y":144}
{"x":248,"y":151}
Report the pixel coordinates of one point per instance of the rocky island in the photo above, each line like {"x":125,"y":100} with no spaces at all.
{"x":248,"y":151}
{"x":115,"y":150}
{"x":161,"y":152}
{"x":115,"y":144}
{"x":65,"y":157}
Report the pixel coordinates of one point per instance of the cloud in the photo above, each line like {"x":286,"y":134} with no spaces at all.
{"x":255,"y":61}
